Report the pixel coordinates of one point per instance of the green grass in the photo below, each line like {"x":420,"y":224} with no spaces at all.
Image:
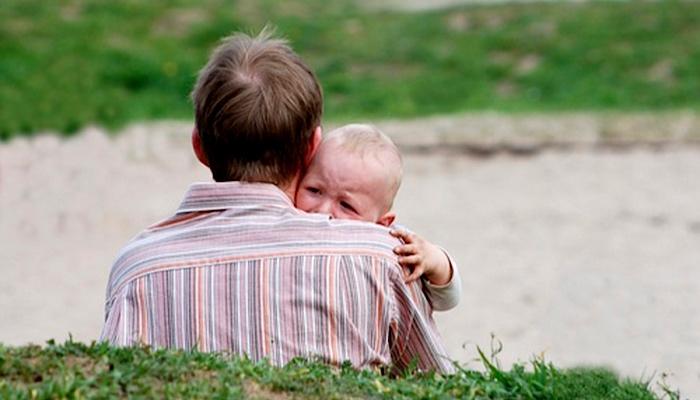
{"x":75,"y":370}
{"x":67,"y":64}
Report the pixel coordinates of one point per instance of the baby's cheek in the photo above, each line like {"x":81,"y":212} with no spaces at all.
{"x":299,"y":202}
{"x":303,"y":202}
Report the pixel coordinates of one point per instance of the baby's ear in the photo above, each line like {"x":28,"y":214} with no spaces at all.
{"x":387,"y":219}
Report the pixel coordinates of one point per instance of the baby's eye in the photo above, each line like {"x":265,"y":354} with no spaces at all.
{"x":348,"y":207}
{"x":313,"y":190}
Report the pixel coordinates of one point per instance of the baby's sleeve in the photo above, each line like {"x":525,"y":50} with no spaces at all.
{"x":444,"y":297}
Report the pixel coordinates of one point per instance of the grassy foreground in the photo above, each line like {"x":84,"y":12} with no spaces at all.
{"x":65,"y":64}
{"x":75,"y":370}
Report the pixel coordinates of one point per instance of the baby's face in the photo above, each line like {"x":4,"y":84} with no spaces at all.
{"x":344,"y":185}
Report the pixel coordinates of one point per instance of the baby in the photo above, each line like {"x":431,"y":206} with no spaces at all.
{"x":356,"y":174}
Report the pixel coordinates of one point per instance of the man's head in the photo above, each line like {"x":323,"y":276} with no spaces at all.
{"x":355,"y":174}
{"x":258,"y":109}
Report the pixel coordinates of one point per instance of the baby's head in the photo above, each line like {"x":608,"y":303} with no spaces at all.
{"x":355,"y":174}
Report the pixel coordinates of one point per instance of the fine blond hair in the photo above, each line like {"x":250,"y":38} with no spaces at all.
{"x":367,"y":140}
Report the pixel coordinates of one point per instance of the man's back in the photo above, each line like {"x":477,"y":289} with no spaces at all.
{"x":239,"y":269}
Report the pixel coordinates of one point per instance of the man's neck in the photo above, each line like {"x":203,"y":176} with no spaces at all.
{"x":291,"y":189}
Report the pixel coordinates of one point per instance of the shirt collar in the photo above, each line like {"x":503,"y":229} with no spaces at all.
{"x":210,"y":196}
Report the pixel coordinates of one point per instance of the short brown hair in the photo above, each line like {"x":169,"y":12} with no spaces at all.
{"x":256,"y":106}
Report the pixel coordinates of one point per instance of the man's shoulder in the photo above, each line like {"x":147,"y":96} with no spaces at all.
{"x":193,"y":238}
{"x":199,"y":240}
{"x":345,"y":235}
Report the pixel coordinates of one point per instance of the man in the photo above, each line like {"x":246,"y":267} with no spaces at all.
{"x":238,"y":268}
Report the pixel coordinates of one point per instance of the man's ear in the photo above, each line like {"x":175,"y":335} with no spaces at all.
{"x":197,"y":147}
{"x":316,"y":139}
{"x":387,"y":219}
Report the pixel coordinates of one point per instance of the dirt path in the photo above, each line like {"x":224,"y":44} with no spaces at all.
{"x":589,"y":255}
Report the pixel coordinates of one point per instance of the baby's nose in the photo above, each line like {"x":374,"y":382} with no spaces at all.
{"x":324,"y":208}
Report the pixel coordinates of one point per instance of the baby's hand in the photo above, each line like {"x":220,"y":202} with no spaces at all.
{"x":422,"y":257}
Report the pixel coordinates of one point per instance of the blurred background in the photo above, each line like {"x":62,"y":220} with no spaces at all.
{"x":552,"y":147}
{"x":69,"y":63}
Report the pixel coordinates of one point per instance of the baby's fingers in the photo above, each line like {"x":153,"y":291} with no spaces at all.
{"x":406,"y":236}
{"x":414,"y":260}
{"x":415,"y":274}
{"x":405,"y":250}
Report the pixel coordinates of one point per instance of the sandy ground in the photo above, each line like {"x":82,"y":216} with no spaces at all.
{"x":587,"y":255}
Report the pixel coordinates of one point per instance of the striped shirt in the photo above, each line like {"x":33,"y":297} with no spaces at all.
{"x":239,"y":269}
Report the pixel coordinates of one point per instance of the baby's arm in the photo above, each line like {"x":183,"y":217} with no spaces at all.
{"x":445,"y":297}
{"x":443,"y":286}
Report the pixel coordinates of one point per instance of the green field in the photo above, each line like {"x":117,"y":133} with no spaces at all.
{"x":74,"y":371}
{"x":70,"y":63}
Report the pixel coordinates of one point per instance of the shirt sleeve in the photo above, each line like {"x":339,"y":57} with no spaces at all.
{"x":445,"y":297}
{"x":413,"y":336}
